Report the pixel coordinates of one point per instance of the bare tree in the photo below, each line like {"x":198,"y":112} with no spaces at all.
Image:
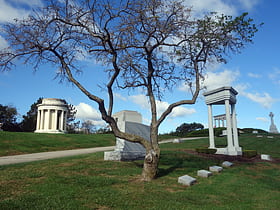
{"x":147,"y":44}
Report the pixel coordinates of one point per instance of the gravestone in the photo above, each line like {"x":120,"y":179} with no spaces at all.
{"x":215,"y":168}
{"x":186,"y":180}
{"x":129,"y":122}
{"x":265,"y":157}
{"x":204,"y":173}
{"x":272,"y":128}
{"x":227,"y":164}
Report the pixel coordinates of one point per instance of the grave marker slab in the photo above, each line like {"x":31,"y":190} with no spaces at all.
{"x":227,"y":164}
{"x":129,"y":122}
{"x":204,"y":173}
{"x":265,"y":157}
{"x":215,"y":168}
{"x":186,"y":180}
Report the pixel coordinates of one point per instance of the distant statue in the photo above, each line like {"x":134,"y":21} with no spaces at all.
{"x":272,"y":128}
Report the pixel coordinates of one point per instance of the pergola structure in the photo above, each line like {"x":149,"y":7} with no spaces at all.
{"x":220,"y":119}
{"x":51,"y":116}
{"x":224,"y":96}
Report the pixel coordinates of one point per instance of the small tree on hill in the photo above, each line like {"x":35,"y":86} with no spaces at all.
{"x":188,"y":127}
{"x":28,"y":123}
{"x":8,"y":117}
{"x":147,"y":44}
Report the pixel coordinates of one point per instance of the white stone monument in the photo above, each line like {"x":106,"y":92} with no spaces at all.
{"x":272,"y":128}
{"x":224,"y":96}
{"x":220,"y":118}
{"x":51,"y":116}
{"x":129,"y":122}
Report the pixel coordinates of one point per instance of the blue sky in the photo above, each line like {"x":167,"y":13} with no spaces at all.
{"x":255,"y":74}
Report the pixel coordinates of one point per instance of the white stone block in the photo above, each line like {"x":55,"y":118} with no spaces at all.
{"x":215,"y":168}
{"x":227,"y":164}
{"x":177,"y":141}
{"x":265,"y":157}
{"x":204,"y":173}
{"x":270,"y":137}
{"x":186,"y":180}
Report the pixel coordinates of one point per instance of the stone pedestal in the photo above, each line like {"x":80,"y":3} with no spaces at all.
{"x":51,"y":116}
{"x":129,"y":122}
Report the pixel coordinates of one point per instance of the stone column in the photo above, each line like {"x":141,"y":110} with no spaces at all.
{"x":234,"y":126}
{"x":47,"y":120}
{"x":210,"y":125}
{"x":42,"y":119}
{"x":38,"y":120}
{"x":229,"y":126}
{"x":65,"y":120}
{"x":61,"y":120}
{"x":55,"y":126}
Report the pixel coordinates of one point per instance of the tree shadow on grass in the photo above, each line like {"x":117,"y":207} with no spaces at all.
{"x":172,"y":162}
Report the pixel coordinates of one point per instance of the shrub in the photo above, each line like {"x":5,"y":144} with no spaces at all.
{"x":249,"y":153}
{"x":206,"y":150}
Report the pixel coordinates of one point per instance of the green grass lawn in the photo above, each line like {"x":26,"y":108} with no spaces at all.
{"x":12,"y":143}
{"x":89,"y":182}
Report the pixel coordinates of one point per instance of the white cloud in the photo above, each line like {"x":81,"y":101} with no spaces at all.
{"x":119,"y":96}
{"x":265,"y":100}
{"x":180,"y":111}
{"x":230,"y":7}
{"x":262,"y":119}
{"x":3,"y":43}
{"x":10,"y":9}
{"x":253,"y":75}
{"x":212,"y":6}
{"x":225,"y":78}
{"x":275,"y":76}
{"x":248,"y":4}
{"x":86,"y":112}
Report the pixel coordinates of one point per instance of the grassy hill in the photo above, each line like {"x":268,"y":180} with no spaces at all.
{"x":12,"y":143}
{"x":89,"y":182}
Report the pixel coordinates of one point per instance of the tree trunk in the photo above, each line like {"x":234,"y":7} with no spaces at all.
{"x":150,"y":167}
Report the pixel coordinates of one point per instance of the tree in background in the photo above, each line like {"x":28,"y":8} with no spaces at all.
{"x":71,"y":125}
{"x":151,"y":45}
{"x":188,"y":127}
{"x":88,"y":127}
{"x":8,"y":117}
{"x":28,"y":123}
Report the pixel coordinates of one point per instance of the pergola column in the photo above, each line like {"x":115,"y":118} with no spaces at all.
{"x":211,"y":129}
{"x":229,"y":126}
{"x":234,"y":126}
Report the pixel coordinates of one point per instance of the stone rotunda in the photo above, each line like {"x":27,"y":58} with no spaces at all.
{"x":51,"y":116}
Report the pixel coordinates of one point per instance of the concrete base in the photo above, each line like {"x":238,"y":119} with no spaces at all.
{"x":119,"y":155}
{"x":229,"y":151}
{"x":50,"y":131}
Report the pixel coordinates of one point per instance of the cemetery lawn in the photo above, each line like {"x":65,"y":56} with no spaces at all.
{"x":89,"y":182}
{"x":14,"y":143}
